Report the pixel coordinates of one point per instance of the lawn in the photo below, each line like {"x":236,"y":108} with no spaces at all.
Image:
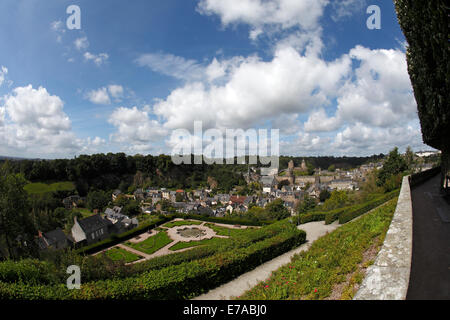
{"x":84,"y":212}
{"x":39,"y":187}
{"x":151,"y":244}
{"x":181,"y":245}
{"x":181,"y":223}
{"x":224,"y":231}
{"x":336,"y":258}
{"x":122,"y":254}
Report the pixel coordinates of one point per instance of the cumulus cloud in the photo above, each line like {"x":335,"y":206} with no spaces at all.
{"x":99,"y":96}
{"x":98,"y":59}
{"x":34,"y":122}
{"x":263,"y":14}
{"x":135,"y":130}
{"x":256,"y":90}
{"x":319,"y":121}
{"x":105,"y":95}
{"x":381,"y":94}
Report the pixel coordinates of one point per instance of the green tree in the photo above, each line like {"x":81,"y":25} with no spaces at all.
{"x":16,"y":226}
{"x":306,"y":205}
{"x":324,"y":195}
{"x":276,"y":210}
{"x":332,"y":168}
{"x":394,"y":165}
{"x":409,"y":159}
{"x":132,"y":209}
{"x":97,"y":200}
{"x":338,"y":199}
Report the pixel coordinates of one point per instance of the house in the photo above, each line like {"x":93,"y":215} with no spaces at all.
{"x":71,"y":201}
{"x":156,"y":197}
{"x":115,"y":194}
{"x":165,"y":194}
{"x":237,"y":199}
{"x":341,"y":184}
{"x":223,"y":198}
{"x":55,"y":239}
{"x":139,"y":194}
{"x":91,"y":229}
{"x":120,"y":221}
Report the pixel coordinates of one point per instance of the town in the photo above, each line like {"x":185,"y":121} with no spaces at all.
{"x":290,"y":187}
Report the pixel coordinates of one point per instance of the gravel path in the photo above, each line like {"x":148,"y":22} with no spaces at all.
{"x":246,"y":281}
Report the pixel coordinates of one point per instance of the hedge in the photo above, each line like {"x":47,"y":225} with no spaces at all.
{"x":223,"y":220}
{"x":118,"y":238}
{"x":182,"y":281}
{"x":360,"y":209}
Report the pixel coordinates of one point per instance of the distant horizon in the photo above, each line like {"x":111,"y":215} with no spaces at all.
{"x":3,"y":157}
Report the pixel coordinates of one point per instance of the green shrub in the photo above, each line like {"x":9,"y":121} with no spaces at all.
{"x":360,"y":209}
{"x":181,"y":281}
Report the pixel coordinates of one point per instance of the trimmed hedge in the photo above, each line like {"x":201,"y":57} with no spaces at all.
{"x":118,"y":238}
{"x":182,"y":281}
{"x":223,"y":220}
{"x":360,"y":209}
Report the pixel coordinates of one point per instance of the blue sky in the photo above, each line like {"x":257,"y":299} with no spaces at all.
{"x":138,"y":70}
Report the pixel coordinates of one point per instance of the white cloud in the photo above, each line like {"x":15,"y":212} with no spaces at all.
{"x":261,"y":14}
{"x":116,"y":91}
{"x":346,"y":8}
{"x":81,"y":43}
{"x":319,"y":121}
{"x":58,"y":28}
{"x":255,"y":91}
{"x":3,"y":74}
{"x":105,"y":95}
{"x":98,"y":59}
{"x":174,"y":66}
{"x":381,"y":95}
{"x":135,"y":130}
{"x":35,"y":123}
{"x":99,"y":96}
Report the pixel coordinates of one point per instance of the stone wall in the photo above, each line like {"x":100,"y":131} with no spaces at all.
{"x":388,"y":277}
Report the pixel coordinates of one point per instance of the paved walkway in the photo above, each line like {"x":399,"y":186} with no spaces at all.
{"x":430,"y":267}
{"x":236,"y":287}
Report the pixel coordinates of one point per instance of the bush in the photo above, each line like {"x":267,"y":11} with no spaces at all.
{"x":360,"y":209}
{"x":117,"y":238}
{"x":183,"y":280}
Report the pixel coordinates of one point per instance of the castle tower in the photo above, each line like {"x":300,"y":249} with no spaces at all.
{"x":304,"y":165}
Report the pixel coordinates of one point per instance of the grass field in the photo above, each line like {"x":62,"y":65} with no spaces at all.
{"x":182,"y":245}
{"x":224,"y":231}
{"x":336,"y":259}
{"x":117,"y":254}
{"x":151,"y":244}
{"x":39,"y":187}
{"x":182,"y":223}
{"x":84,"y":212}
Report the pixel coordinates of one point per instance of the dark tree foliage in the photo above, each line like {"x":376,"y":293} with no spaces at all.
{"x":394,"y":165}
{"x":425,"y":25}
